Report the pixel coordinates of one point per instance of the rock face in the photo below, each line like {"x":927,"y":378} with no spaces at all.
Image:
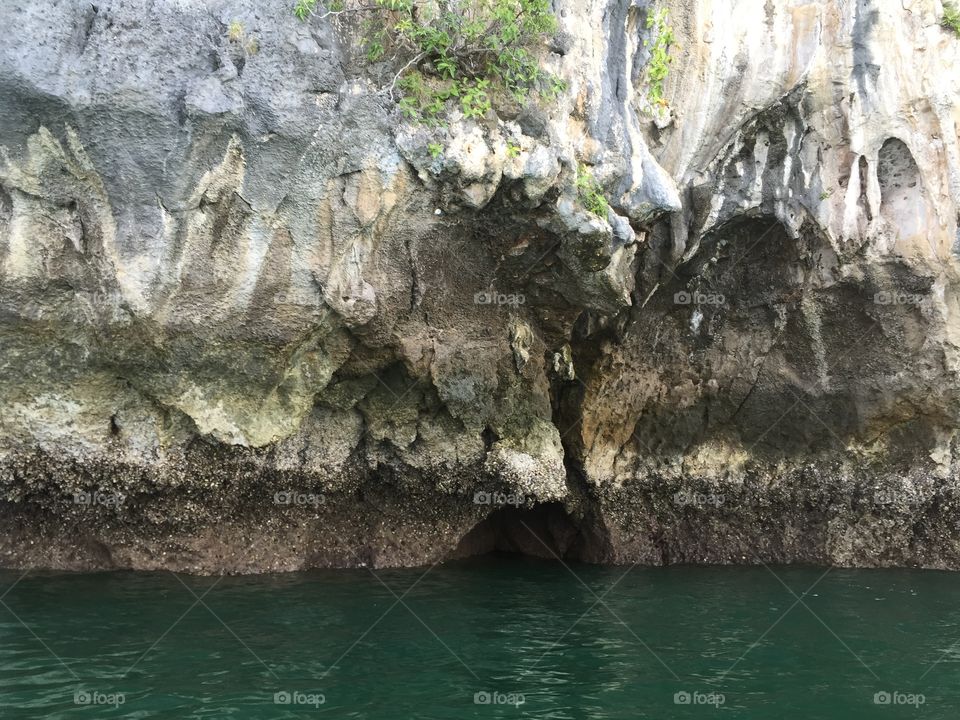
{"x":250,"y":322}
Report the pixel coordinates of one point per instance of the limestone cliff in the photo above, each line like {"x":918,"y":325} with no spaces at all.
{"x":251,"y":319}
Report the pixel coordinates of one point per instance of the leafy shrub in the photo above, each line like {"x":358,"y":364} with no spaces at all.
{"x":472,"y":52}
{"x":659,"y":66}
{"x":237,"y":35}
{"x":590,"y":192}
{"x":951,"y":17}
{"x":235,"y":31}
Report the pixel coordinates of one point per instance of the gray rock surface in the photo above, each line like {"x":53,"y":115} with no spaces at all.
{"x":250,"y":322}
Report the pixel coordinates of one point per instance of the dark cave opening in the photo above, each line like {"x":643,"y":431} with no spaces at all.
{"x":544,"y":531}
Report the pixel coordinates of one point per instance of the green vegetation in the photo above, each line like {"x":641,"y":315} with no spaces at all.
{"x":590,"y":192}
{"x":513,"y":150}
{"x":436,"y":150}
{"x":237,"y":35}
{"x":304,"y":8}
{"x":951,"y":17}
{"x":235,"y":31}
{"x":660,"y":59}
{"x":477,"y":53}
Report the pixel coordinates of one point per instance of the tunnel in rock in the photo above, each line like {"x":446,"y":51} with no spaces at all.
{"x":545,"y":531}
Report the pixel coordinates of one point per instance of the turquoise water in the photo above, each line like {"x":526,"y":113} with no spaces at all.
{"x":496,"y":637}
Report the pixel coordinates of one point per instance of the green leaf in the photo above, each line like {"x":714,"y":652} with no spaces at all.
{"x":478,"y":51}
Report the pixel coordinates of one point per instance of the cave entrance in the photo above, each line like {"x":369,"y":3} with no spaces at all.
{"x":545,"y":531}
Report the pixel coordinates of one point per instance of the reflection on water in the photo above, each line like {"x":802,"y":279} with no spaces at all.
{"x":494,"y":637}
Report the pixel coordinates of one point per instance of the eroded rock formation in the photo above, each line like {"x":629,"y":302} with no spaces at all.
{"x":250,"y":321}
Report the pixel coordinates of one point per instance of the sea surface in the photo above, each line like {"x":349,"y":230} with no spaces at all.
{"x":494,"y":637}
